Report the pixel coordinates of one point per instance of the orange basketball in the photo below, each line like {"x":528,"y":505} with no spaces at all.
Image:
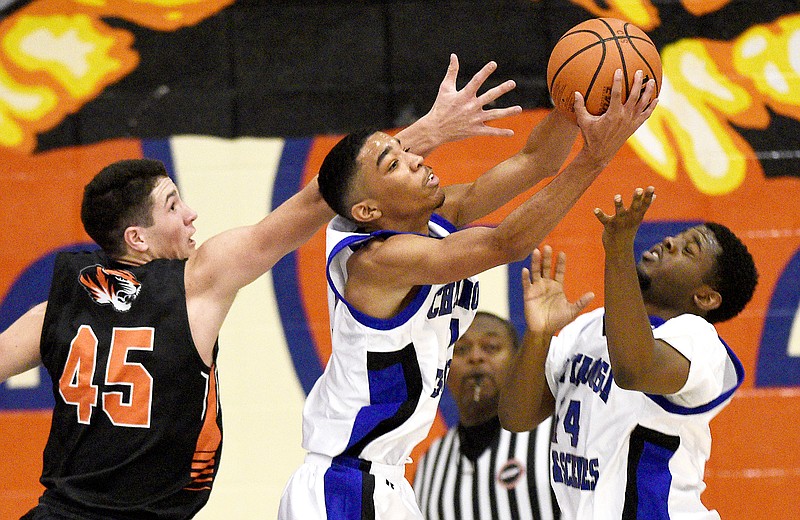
{"x":585,"y":57}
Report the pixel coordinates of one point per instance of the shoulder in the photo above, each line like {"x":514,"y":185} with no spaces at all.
{"x":692,"y":336}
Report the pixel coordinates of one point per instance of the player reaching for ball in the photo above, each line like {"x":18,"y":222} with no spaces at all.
{"x":635,"y":384}
{"x":154,"y":296}
{"x":401,"y":290}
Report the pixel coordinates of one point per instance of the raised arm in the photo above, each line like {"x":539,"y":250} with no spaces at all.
{"x":639,"y":361}
{"x":19,"y":343}
{"x":235,"y":258}
{"x":525,"y":398}
{"x":229,"y":261}
{"x":405,"y":261}
{"x":545,"y":151}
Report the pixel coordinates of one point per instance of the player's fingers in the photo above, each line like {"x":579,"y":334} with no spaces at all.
{"x":494,"y":131}
{"x":536,"y":265}
{"x":618,"y":206}
{"x":602,"y":216}
{"x":499,"y":113}
{"x":493,"y":93}
{"x":449,"y":81}
{"x":547,"y":262}
{"x":561,"y":266}
{"x":526,"y":277}
{"x":616,"y":88}
{"x":477,"y":80}
{"x":579,"y":105}
{"x":648,"y":197}
{"x":583,"y":301}
{"x":647,"y":100}
{"x":638,"y":91}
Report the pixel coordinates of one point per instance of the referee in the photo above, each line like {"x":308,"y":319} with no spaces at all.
{"x":478,"y":470}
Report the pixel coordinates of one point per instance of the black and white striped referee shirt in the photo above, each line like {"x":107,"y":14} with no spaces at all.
{"x":507,"y":479}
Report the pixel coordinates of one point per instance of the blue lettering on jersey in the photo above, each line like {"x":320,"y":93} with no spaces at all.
{"x":462,"y":294}
{"x":441,"y":377}
{"x":574,"y":471}
{"x":594,"y":373}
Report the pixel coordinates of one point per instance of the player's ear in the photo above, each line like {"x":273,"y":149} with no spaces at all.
{"x":365,"y":211}
{"x":135,"y":239}
{"x":707,"y":299}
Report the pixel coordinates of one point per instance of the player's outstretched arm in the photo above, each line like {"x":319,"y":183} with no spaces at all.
{"x":405,"y":261}
{"x":233,"y":259}
{"x":544,"y":152}
{"x":525,"y":398}
{"x":639,"y":361}
{"x":546,"y":149}
{"x":456,"y":114}
{"x":19,"y":343}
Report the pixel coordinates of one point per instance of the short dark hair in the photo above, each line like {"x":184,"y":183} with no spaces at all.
{"x":119,"y":197}
{"x":507,"y":325}
{"x":338,"y":170}
{"x":734,"y":276}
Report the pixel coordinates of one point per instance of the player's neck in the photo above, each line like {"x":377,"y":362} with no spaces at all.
{"x":416,"y":224}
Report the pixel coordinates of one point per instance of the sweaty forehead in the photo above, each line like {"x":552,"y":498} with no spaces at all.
{"x":704,"y":238}
{"x":703,"y":235}
{"x":375,"y":147}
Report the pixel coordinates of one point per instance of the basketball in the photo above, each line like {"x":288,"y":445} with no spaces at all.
{"x":585,"y":57}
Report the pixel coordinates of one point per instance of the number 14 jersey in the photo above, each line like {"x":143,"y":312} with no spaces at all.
{"x":621,"y":454}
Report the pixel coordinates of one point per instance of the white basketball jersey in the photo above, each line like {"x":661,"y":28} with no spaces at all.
{"x":380,"y":390}
{"x":619,"y":454}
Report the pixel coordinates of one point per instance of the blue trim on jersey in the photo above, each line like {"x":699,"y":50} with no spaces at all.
{"x":387,"y":393}
{"x":669,"y":406}
{"x":441,"y":221}
{"x":305,"y":359}
{"x":653,"y":482}
{"x":372,"y":322}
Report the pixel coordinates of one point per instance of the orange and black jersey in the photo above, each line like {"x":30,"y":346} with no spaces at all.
{"x":137,"y":428}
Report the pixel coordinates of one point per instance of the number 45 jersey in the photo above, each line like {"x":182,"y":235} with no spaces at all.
{"x":136,"y":430}
{"x":621,"y":454}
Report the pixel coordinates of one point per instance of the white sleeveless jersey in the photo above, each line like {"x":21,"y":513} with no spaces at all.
{"x":380,"y":390}
{"x":620,"y":454}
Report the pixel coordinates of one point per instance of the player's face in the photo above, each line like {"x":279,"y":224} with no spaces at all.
{"x":480,"y":360}
{"x":671,"y":271}
{"x":397,"y":180}
{"x":170,"y":236}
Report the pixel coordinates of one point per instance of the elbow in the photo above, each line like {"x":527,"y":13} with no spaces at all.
{"x":510,"y":249}
{"x":515,"y":424}
{"x":626,"y":379}
{"x":515,"y":418}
